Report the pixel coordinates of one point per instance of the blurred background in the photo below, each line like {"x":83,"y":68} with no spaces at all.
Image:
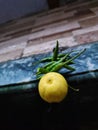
{"x":12,"y":9}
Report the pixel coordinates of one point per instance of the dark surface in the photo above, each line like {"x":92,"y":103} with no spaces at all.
{"x":30,"y":112}
{"x":22,"y":108}
{"x":27,"y":111}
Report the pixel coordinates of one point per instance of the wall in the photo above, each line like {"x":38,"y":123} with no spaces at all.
{"x":10,"y":9}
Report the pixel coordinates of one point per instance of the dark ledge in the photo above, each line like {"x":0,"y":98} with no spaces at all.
{"x":21,"y":74}
{"x":22,"y":108}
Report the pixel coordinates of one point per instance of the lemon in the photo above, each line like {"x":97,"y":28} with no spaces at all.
{"x":53,"y":87}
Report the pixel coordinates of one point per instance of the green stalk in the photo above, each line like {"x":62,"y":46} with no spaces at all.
{"x":75,"y":89}
{"x":56,"y":63}
{"x":41,"y":71}
{"x":69,"y":67}
{"x":46,"y":59}
{"x":57,"y":67}
{"x":74,"y":57}
{"x":48,"y":64}
{"x":55,"y":53}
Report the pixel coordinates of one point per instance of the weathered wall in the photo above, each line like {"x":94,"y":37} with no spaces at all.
{"x":10,"y":9}
{"x":72,"y":24}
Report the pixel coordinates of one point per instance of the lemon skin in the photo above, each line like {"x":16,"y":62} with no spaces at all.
{"x":53,"y":87}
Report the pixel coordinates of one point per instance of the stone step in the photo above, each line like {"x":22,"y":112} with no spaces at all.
{"x":41,"y":33}
{"x":7,"y":49}
{"x":95,"y":10}
{"x":28,"y":30}
{"x":3,"y":38}
{"x":91,"y":21}
{"x":16,"y":54}
{"x":82,"y":14}
{"x":52,"y":12}
{"x":49,"y":38}
{"x":72,"y":24}
{"x":48,"y":46}
{"x":54,"y":17}
{"x":86,"y":35}
{"x":68,"y":27}
{"x":35,"y":23}
{"x":20,"y":30}
{"x":15,"y":27}
{"x":85,"y":30}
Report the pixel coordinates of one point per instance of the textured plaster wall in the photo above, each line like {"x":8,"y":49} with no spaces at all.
{"x":10,"y":9}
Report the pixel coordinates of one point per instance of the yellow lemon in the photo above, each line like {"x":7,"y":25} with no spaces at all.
{"x":53,"y":87}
